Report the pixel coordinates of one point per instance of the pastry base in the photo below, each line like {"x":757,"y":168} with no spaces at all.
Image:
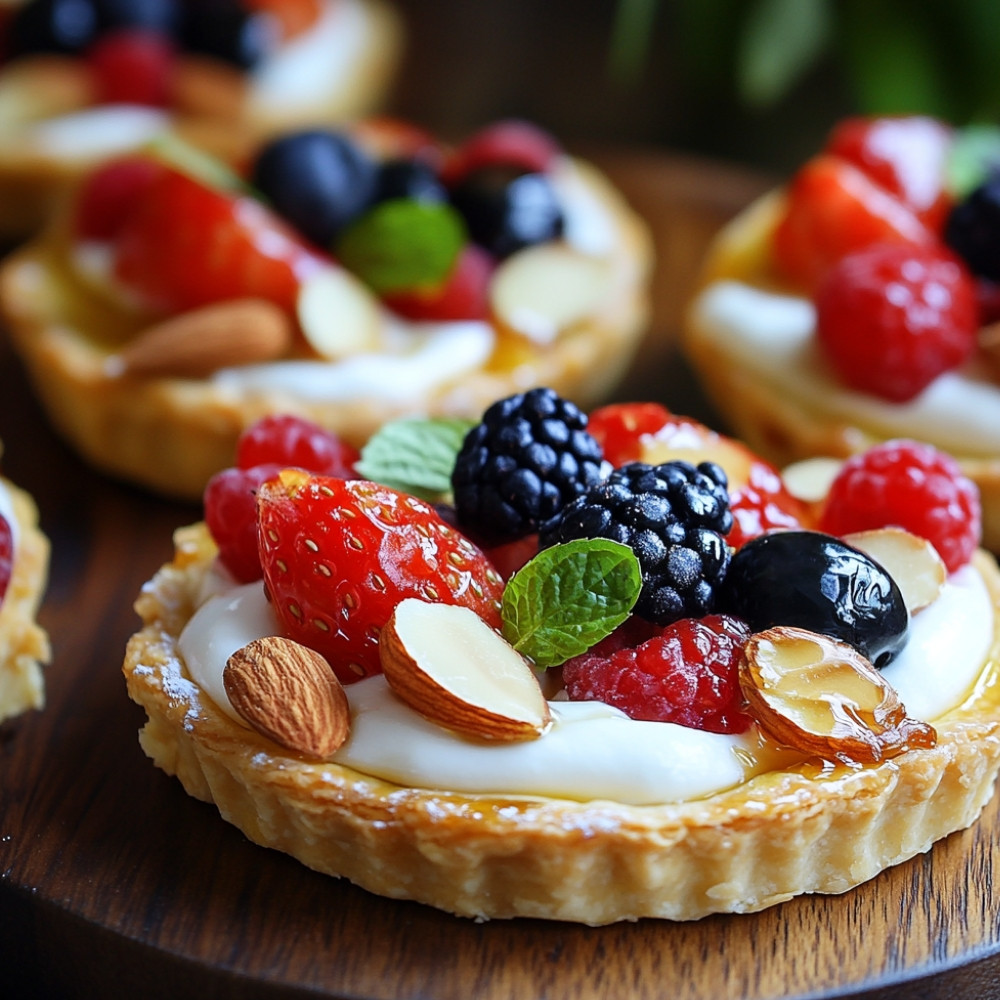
{"x":172,"y":435}
{"x":24,"y":647}
{"x":33,"y":183}
{"x":781,"y":428}
{"x":783,"y":833}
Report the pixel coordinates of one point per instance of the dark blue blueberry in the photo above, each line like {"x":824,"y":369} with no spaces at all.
{"x":63,"y":26}
{"x":225,"y":30}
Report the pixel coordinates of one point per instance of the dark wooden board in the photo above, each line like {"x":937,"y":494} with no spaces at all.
{"x":114,"y":883}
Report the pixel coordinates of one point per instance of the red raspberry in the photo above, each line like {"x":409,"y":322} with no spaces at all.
{"x":510,"y":143}
{"x":132,"y":66}
{"x":464,"y":294}
{"x":231,"y":517}
{"x":892,"y":318}
{"x":108,"y":195}
{"x":294,"y":441}
{"x":6,"y":555}
{"x":910,"y":485}
{"x":688,"y":674}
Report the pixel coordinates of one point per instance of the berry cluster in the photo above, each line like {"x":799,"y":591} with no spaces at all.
{"x":131,"y":45}
{"x":338,"y":553}
{"x":902,"y":272}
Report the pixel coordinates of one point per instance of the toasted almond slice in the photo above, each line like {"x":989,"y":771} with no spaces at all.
{"x":810,"y":479}
{"x":197,"y":343}
{"x":288,"y":693}
{"x":338,"y":314}
{"x":822,"y":697}
{"x":543,"y":290}
{"x":447,"y":664}
{"x":910,"y":560}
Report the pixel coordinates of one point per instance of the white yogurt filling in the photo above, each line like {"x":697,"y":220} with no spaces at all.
{"x":592,"y":751}
{"x":772,"y":337}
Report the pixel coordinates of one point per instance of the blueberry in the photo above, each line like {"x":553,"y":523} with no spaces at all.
{"x":225,"y":30}
{"x":162,"y":16}
{"x":401,"y":178}
{"x":973,"y":229}
{"x":507,"y":209}
{"x":63,"y":26}
{"x":816,"y":582}
{"x":318,"y":180}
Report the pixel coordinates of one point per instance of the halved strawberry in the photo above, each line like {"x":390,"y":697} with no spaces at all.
{"x":832,"y":209}
{"x":647,"y":432}
{"x":906,"y":155}
{"x":339,"y":555}
{"x":187,"y":245}
{"x":108,"y":195}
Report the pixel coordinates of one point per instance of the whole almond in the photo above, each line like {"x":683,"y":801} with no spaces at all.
{"x":290,"y":694}
{"x":196,"y":343}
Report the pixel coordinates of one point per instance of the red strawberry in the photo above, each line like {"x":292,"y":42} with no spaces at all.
{"x":186,"y":245}
{"x":6,"y":555}
{"x":108,"y":195}
{"x":339,"y":555}
{"x":904,"y":155}
{"x":621,"y":427}
{"x":132,"y":66}
{"x":833,"y":208}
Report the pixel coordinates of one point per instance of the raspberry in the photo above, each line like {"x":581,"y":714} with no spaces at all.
{"x":891,"y":318}
{"x":295,"y":441}
{"x":688,"y":674}
{"x":910,"y":485}
{"x":132,"y":66}
{"x":231,"y":516}
{"x":511,"y":143}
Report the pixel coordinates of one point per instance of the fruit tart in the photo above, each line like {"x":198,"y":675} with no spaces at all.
{"x":24,"y":563}
{"x":349,"y":277}
{"x":858,"y":302}
{"x":587,"y":669}
{"x":81,"y":80}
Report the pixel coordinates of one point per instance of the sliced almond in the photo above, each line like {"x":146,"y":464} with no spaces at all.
{"x":810,"y":480}
{"x":546,"y":289}
{"x":447,"y":664}
{"x":288,"y":693}
{"x":822,"y":697}
{"x":197,"y":343}
{"x":338,"y":314}
{"x":910,"y":560}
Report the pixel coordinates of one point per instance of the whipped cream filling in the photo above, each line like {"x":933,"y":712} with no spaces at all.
{"x":772,"y":337}
{"x":592,"y":751}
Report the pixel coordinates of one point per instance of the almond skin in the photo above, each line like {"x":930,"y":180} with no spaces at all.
{"x":288,"y":693}
{"x":197,"y":343}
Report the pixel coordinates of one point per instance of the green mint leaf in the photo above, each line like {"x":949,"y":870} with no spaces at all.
{"x":415,"y":455}
{"x":974,"y":155}
{"x":569,"y":597}
{"x":403,"y":245}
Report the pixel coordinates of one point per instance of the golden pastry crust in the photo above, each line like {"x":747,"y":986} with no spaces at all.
{"x":780,"y":426}
{"x":171,"y":435}
{"x":24,"y":646}
{"x":781,"y":834}
{"x":33,"y":181}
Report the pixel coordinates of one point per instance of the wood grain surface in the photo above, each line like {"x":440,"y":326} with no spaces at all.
{"x":114,"y":883}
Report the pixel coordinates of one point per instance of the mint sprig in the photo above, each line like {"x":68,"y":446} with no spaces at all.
{"x":415,"y":455}
{"x":569,"y":597}
{"x":403,"y":245}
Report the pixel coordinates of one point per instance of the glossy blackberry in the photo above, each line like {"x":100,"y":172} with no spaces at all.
{"x":674,"y":517}
{"x":973,"y":229}
{"x":409,"y":179}
{"x":316,"y":179}
{"x":507,"y":209}
{"x":529,"y":456}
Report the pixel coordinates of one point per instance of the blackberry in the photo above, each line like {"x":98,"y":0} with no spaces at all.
{"x":973,"y":229}
{"x":674,"y":517}
{"x":529,"y":456}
